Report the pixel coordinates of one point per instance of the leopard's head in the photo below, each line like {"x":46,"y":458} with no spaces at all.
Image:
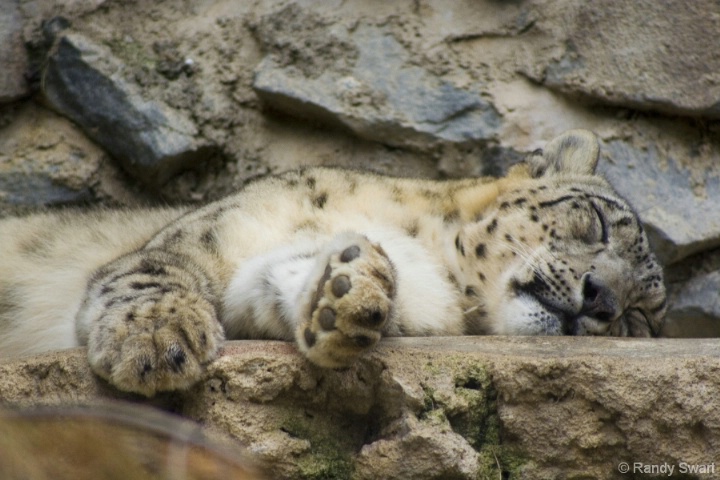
{"x":559,"y":252}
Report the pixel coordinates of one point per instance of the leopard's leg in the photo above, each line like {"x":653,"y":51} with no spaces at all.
{"x":334,"y":298}
{"x":150,"y":322}
{"x":348,"y":302}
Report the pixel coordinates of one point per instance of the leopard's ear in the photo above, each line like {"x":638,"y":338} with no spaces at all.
{"x":574,"y":152}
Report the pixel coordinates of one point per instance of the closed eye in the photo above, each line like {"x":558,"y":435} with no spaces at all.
{"x":604,"y":234}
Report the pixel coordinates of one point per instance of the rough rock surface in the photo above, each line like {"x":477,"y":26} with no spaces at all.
{"x":13,"y":57}
{"x":84,"y":81}
{"x":652,"y":55}
{"x":370,"y":88}
{"x":687,"y":224}
{"x":468,"y":407}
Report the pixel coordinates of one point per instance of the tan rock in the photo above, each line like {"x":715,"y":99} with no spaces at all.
{"x":465,"y":407}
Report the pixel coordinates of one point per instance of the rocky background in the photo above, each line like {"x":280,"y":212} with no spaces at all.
{"x":127,"y":103}
{"x":136,"y":102}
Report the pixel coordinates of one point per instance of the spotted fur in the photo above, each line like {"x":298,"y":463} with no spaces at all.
{"x":332,"y":260}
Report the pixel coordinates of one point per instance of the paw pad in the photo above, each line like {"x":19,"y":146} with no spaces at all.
{"x":327,"y":319}
{"x":310,"y":338}
{"x":340,"y":285}
{"x":350,"y":303}
{"x":350,"y":254}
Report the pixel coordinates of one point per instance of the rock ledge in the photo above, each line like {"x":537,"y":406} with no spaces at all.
{"x":464,"y":407}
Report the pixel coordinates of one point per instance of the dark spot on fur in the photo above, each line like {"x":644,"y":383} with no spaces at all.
{"x":480,"y":250}
{"x":451,"y":216}
{"x":470,"y":291}
{"x":459,"y":245}
{"x":307,"y":225}
{"x":117,"y":300}
{"x":481,"y":276}
{"x":493,"y":225}
{"x":509,"y":238}
{"x":623,"y":222}
{"x":148,"y":268}
{"x":208,"y":240}
{"x":176,"y":358}
{"x":130,"y":317}
{"x":176,"y":237}
{"x":534,"y":217}
{"x":146,"y":368}
{"x":520,"y":201}
{"x":429,"y":194}
{"x":36,"y":245}
{"x":413,"y":229}
{"x":106,"y":289}
{"x":145,"y":285}
{"x":504,"y":205}
{"x":214,"y":215}
{"x":551,"y":203}
{"x":311,"y":182}
{"x":320,"y":200}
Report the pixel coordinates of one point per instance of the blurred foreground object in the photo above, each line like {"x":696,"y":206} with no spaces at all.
{"x":112,"y":441}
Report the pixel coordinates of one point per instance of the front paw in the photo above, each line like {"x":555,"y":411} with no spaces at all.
{"x":148,"y":345}
{"x":350,"y":304}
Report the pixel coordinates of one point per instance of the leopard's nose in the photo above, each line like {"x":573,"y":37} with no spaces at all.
{"x":599,"y":300}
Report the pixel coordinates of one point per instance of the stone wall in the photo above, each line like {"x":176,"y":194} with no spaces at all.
{"x":130,"y":103}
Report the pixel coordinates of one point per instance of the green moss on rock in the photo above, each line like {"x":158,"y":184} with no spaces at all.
{"x":328,"y":458}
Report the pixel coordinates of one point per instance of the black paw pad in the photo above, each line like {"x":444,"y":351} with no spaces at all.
{"x":340,"y":285}
{"x":327,"y":319}
{"x":309,"y":338}
{"x":350,"y":254}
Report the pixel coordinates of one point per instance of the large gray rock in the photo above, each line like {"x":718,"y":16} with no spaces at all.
{"x":370,"y":87}
{"x":647,"y":54}
{"x":84,"y":81}
{"x":695,"y":308}
{"x":13,"y":56}
{"x":680,"y":222}
{"x":461,"y":408}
